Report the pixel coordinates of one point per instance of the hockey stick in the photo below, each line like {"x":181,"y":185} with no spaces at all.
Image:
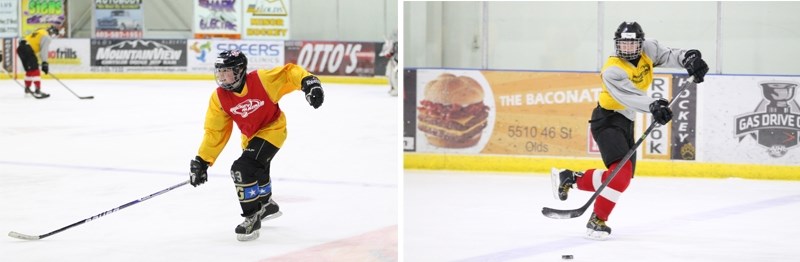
{"x":562,"y":214}
{"x":29,"y":237}
{"x":70,"y":90}
{"x":12,"y":77}
{"x":20,"y":84}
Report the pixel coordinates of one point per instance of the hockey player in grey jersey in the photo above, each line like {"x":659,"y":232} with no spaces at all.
{"x":626,"y":78}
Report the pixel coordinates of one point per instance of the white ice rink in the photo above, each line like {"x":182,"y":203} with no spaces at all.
{"x":453,"y":216}
{"x":63,"y":160}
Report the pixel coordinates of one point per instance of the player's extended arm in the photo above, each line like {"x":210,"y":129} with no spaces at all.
{"x":218,"y":128}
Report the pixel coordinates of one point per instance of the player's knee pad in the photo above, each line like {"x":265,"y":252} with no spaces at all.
{"x":252,"y":183}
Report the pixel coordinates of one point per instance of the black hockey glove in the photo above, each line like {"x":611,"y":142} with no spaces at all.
{"x":694,"y":64}
{"x":661,"y":112}
{"x":313,"y":89}
{"x":198,"y":167}
{"x":45,"y":67}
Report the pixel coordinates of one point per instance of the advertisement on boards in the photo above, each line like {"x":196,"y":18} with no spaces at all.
{"x":333,"y":58}
{"x":683,"y":145}
{"x":260,"y":54}
{"x":750,"y":119}
{"x":118,"y":19}
{"x":266,"y":19}
{"x":9,"y":22}
{"x":68,"y":55}
{"x":410,"y":110}
{"x":41,"y":14}
{"x":496,"y":112}
{"x":138,"y":55}
{"x":217,"y":19}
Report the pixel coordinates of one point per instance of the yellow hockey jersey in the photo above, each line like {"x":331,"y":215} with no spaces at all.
{"x":641,"y":76}
{"x":219,"y":121}
{"x":35,"y":41}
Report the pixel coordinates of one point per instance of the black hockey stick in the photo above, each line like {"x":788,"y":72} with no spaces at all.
{"x":20,"y":84}
{"x":562,"y":214}
{"x":29,"y":237}
{"x":70,"y":90}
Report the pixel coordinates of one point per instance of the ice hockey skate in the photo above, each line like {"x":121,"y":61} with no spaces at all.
{"x":38,"y":94}
{"x":248,"y":230}
{"x":597,"y":229}
{"x":563,"y":180}
{"x":270,"y":210}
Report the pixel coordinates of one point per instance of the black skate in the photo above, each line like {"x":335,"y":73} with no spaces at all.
{"x":270,"y":210}
{"x":28,"y":91}
{"x":248,"y":230}
{"x":597,"y":229}
{"x":38,"y":94}
{"x":563,"y":181}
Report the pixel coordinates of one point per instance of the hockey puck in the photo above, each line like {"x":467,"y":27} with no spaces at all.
{"x":566,"y":256}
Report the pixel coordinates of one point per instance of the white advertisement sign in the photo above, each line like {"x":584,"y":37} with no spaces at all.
{"x":218,"y":17}
{"x":122,"y":19}
{"x":266,"y":19}
{"x":749,"y":119}
{"x":260,"y":54}
{"x":69,"y":55}
{"x":9,"y":18}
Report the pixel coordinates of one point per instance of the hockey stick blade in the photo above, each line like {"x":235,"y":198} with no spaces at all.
{"x":29,"y":237}
{"x":23,"y":236}
{"x":68,"y":89}
{"x":564,"y":214}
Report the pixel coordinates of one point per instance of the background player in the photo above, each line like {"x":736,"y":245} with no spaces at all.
{"x":31,"y":50}
{"x":626,"y":78}
{"x":251,"y":101}
{"x":390,"y":51}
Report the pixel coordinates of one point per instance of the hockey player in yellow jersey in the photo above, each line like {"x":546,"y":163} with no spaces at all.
{"x":250,"y":100}
{"x":32,"y":50}
{"x":626,"y":78}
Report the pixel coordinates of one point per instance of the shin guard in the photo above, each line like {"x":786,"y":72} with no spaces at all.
{"x":245,"y":173}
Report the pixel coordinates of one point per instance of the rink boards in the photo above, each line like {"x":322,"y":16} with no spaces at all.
{"x":729,"y":126}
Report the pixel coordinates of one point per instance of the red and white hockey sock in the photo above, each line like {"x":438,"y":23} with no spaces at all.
{"x":33,"y":76}
{"x":593,"y":178}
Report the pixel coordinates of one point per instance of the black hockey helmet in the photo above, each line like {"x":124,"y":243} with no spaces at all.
{"x":230,"y":61}
{"x":52,"y":31}
{"x":628,"y":40}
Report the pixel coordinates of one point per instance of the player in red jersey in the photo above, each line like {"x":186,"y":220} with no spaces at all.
{"x":250,"y":100}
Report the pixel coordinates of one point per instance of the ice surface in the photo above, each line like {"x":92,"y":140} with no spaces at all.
{"x":63,"y":160}
{"x":455,"y":216}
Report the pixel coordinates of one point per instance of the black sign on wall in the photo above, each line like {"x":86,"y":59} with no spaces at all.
{"x":138,"y":52}
{"x":409,"y":109}
{"x":684,"y":116}
{"x":8,"y":54}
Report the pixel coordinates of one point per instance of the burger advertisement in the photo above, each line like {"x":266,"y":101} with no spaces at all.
{"x":504,"y":112}
{"x":452,"y":113}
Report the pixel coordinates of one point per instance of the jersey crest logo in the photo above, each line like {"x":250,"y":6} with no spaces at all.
{"x":643,"y":71}
{"x":247,"y":107}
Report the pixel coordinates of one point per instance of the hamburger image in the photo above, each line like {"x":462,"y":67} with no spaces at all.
{"x":452,"y":113}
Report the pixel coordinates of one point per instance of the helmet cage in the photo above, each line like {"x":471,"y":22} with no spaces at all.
{"x":52,"y":31}
{"x":229,"y":82}
{"x":628,"y":48}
